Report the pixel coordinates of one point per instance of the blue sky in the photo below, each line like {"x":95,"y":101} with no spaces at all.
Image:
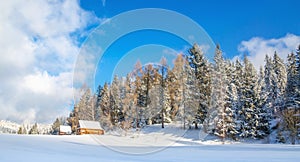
{"x":227,"y":22}
{"x":41,"y":44}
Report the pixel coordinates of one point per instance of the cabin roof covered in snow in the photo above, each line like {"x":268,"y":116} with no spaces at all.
{"x":89,"y":124}
{"x":65,"y":128}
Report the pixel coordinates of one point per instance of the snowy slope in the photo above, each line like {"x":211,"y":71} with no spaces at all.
{"x":164,"y":145}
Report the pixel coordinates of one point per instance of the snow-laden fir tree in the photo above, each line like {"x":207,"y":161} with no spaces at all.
{"x":201,"y":69}
{"x":263,"y":112}
{"x":270,"y":84}
{"x":221,"y":114}
{"x":231,"y":101}
{"x":190,"y":98}
{"x":237,"y":79}
{"x":291,"y":111}
{"x":105,"y":117}
{"x":115,"y":101}
{"x":86,"y":107}
{"x":247,"y":117}
{"x":34,"y":129}
{"x":216,"y":113}
{"x":55,"y":126}
{"x":98,"y":97}
{"x":281,"y":81}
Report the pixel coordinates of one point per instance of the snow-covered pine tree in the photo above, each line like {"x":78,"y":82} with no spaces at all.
{"x":281,"y":81}
{"x":221,"y":114}
{"x":73,"y":119}
{"x":298,"y":64}
{"x":247,"y":114}
{"x":34,"y":129}
{"x":216,"y":114}
{"x":271,"y":84}
{"x":22,"y":130}
{"x":292,"y":98}
{"x":86,"y":107}
{"x":190,"y":97}
{"x":262,"y":112}
{"x":237,"y":80}
{"x":98,"y":97}
{"x":104,"y":106}
{"x":201,"y":68}
{"x":55,"y":126}
{"x":115,"y":101}
{"x":231,"y":102}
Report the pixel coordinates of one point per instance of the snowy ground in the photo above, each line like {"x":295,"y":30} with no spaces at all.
{"x":150,"y":144}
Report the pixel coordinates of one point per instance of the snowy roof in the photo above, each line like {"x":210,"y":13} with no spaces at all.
{"x":89,"y":124}
{"x":65,"y":128}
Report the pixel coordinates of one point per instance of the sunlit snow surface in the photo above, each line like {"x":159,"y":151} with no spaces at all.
{"x":146,"y":145}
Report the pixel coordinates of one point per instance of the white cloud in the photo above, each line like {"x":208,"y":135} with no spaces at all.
{"x":38,"y":48}
{"x":257,"y":48}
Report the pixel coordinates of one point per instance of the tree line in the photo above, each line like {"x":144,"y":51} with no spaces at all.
{"x":229,"y":99}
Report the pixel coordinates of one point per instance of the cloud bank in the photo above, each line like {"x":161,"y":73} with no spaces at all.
{"x":257,"y":48}
{"x":39,"y":43}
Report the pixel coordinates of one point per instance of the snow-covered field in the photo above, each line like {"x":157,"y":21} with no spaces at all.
{"x":150,"y":144}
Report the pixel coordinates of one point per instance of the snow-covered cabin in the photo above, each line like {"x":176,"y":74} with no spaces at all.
{"x":65,"y":130}
{"x":89,"y":127}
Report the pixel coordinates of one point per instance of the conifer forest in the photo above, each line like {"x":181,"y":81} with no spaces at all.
{"x":230,"y":99}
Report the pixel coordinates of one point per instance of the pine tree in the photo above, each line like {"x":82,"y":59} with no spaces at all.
{"x":73,"y":119}
{"x":55,"y":126}
{"x":104,"y":106}
{"x":292,"y":98}
{"x":247,"y":114}
{"x":281,"y":81}
{"x":216,"y":113}
{"x":190,"y":97}
{"x":86,"y":106}
{"x":98,"y":98}
{"x":115,"y":101}
{"x":221,"y":115}
{"x":271,"y":84}
{"x":34,"y":129}
{"x":262,"y":112}
{"x":22,"y":130}
{"x":201,"y":69}
{"x":231,"y":102}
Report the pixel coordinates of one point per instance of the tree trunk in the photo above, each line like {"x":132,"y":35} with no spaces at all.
{"x":162,"y":120}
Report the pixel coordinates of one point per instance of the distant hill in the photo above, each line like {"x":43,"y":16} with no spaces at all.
{"x":12,"y":127}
